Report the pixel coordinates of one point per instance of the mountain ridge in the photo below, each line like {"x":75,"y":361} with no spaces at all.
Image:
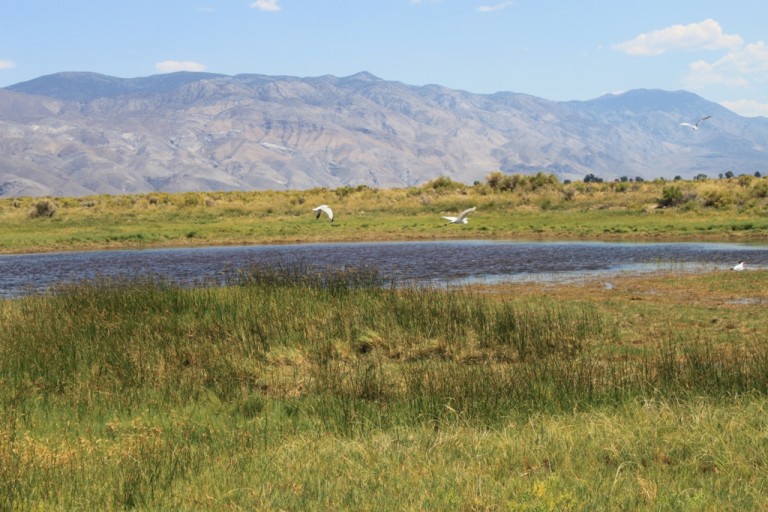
{"x":78,"y":133}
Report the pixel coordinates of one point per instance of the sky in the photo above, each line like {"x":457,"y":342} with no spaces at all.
{"x":554,"y":49}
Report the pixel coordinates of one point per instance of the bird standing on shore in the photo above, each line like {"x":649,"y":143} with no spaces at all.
{"x":740,"y":266}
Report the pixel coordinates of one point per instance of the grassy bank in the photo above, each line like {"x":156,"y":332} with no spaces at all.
{"x":299,"y":390}
{"x":508,"y":207}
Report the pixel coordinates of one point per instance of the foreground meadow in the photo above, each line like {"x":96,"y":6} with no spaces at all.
{"x":307,"y":389}
{"x":298,"y":389}
{"x":533,"y":207}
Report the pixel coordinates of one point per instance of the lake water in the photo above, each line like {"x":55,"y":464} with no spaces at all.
{"x":442,"y":262}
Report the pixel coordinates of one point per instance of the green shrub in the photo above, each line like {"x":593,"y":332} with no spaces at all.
{"x":717,"y":199}
{"x":760,"y":189}
{"x":671,"y":196}
{"x":443,"y":183}
{"x":501,"y":182}
{"x":44,"y":208}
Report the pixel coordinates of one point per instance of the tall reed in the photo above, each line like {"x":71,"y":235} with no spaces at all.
{"x":346,"y":334}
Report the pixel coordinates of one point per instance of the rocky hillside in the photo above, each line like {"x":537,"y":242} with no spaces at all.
{"x":84,"y":133}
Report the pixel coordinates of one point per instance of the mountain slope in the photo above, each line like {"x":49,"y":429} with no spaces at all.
{"x":82,"y":133}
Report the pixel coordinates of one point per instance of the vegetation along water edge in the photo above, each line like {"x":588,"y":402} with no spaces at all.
{"x":284,"y":389}
{"x":508,"y":206}
{"x":296,"y":389}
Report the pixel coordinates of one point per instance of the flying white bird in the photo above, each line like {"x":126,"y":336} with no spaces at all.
{"x":323,"y":208}
{"x":695,"y":126}
{"x":462,"y":218}
{"x":740,"y":266}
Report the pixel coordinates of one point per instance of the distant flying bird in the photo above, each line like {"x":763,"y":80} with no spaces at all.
{"x":462,"y":218}
{"x":323,"y":208}
{"x":740,"y":266}
{"x":695,"y":126}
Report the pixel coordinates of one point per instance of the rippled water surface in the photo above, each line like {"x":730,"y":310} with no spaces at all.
{"x":440,"y":262}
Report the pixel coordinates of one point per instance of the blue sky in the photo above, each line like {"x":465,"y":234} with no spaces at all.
{"x":554,"y":49}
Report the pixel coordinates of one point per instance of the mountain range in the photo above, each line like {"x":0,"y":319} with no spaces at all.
{"x":80,"y":133}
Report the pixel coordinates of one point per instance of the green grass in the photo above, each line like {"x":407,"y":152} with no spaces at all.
{"x":552,"y":211}
{"x":303,"y":389}
{"x":300,"y":389}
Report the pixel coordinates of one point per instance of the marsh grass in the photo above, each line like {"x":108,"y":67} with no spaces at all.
{"x":305,"y":388}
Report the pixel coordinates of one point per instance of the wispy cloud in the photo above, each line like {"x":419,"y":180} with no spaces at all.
{"x":706,"y":34}
{"x":205,"y":8}
{"x":748,"y":108}
{"x":743,"y":67}
{"x":739,"y":65}
{"x":266,"y":5}
{"x":495,"y":7}
{"x":171,"y":66}
{"x":7,"y":64}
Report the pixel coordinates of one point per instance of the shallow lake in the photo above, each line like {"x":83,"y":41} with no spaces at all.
{"x":441,"y":262}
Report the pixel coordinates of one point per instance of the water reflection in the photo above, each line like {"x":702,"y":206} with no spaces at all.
{"x":440,"y":262}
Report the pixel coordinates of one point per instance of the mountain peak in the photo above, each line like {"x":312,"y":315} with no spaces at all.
{"x":86,"y":86}
{"x":363,"y":76}
{"x":643,"y":100}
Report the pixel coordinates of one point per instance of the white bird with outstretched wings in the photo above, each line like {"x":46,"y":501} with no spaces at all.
{"x":462,"y":218}
{"x":323,"y":208}
{"x":695,"y":126}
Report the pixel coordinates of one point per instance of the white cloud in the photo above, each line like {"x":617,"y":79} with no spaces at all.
{"x":266,"y":5}
{"x":739,"y":68}
{"x":706,"y":34}
{"x":750,"y":60}
{"x":748,"y":108}
{"x":7,"y":64}
{"x":496,"y":7}
{"x":171,"y":66}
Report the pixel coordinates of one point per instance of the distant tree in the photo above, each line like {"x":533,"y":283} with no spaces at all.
{"x":701,"y":177}
{"x":638,"y":179}
{"x":677,"y":178}
{"x":729,"y":174}
{"x":591,"y":178}
{"x":623,"y":178}
{"x":757,"y":174}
